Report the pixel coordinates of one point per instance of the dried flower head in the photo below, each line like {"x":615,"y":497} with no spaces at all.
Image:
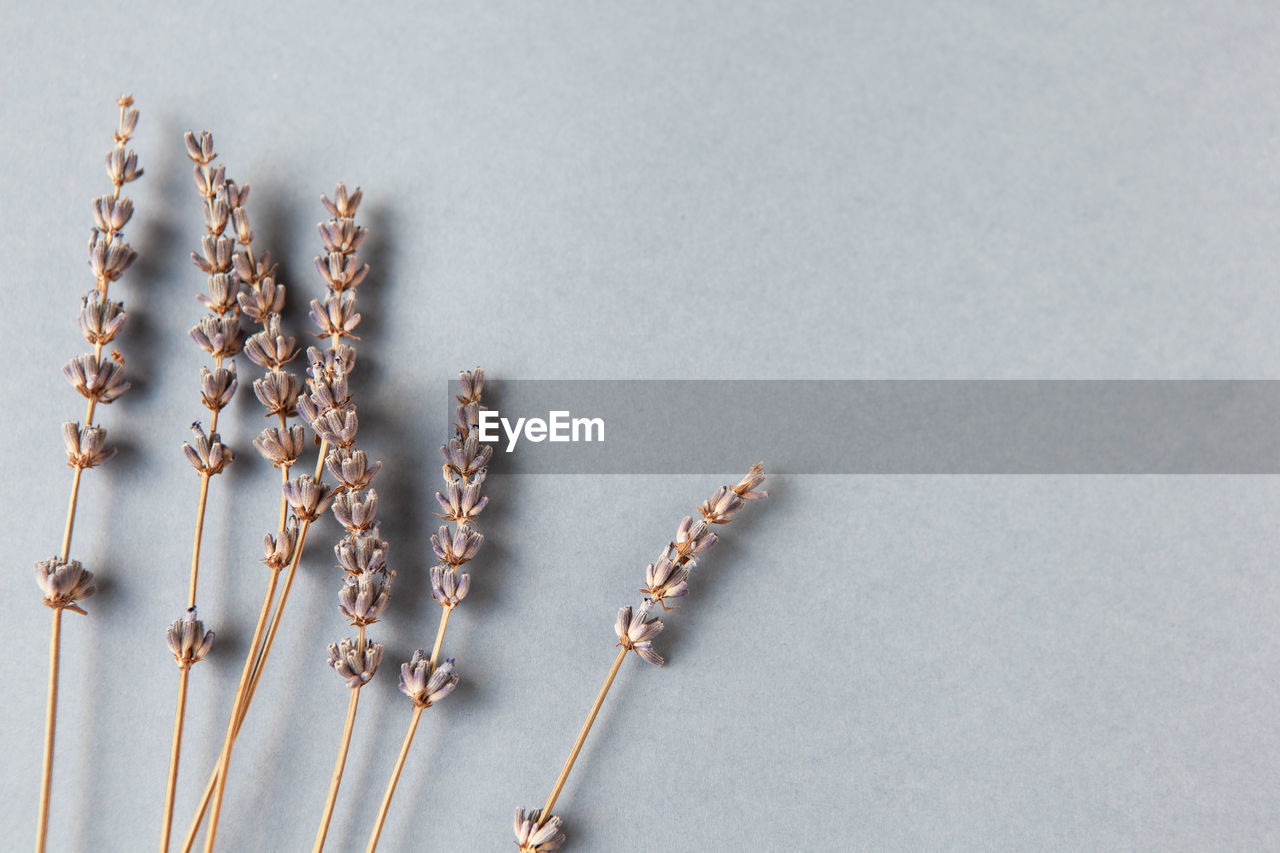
{"x":209,"y":455}
{"x":221,"y":337}
{"x":449,"y":586}
{"x":665,"y":580}
{"x":363,"y":597}
{"x":462,"y":503}
{"x":636,"y":632}
{"x":263,"y":299}
{"x":278,"y":550}
{"x":188,"y":639}
{"x":271,"y":348}
{"x":352,"y":468}
{"x":335,"y":316}
{"x":307,"y":497}
{"x":466,"y":459}
{"x":280,"y":446}
{"x":458,"y":546}
{"x":692,"y":538}
{"x":356,"y":510}
{"x":109,"y":257}
{"x":86,"y":446}
{"x":278,"y":392}
{"x":533,"y":835}
{"x":424,"y":685}
{"x":361,"y":554}
{"x":356,"y":665}
{"x":64,"y":582}
{"x":100,"y":319}
{"x":98,"y":379}
{"x":217,"y":386}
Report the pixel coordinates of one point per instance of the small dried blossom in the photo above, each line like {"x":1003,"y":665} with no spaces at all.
{"x":278,"y":550}
{"x":217,"y":386}
{"x":271,"y":348}
{"x":356,"y":510}
{"x":361,"y":554}
{"x":278,"y":391}
{"x":223,"y":297}
{"x":100,"y":319}
{"x":109,"y":257}
{"x":462,"y":503}
{"x":424,"y":685}
{"x":336,"y":316}
{"x":636,"y":631}
{"x":363,"y":597}
{"x":449,"y":586}
{"x":692,"y":539}
{"x":188,"y":639}
{"x":262,"y":300}
{"x":281,"y":446}
{"x":466,"y":458}
{"x":98,"y":379}
{"x":534,"y":835}
{"x":665,"y":580}
{"x":458,"y":546}
{"x":64,"y":582}
{"x":86,"y":446}
{"x":221,"y":337}
{"x":352,"y":468}
{"x":208,"y":455}
{"x":307,"y":497}
{"x":354,"y":664}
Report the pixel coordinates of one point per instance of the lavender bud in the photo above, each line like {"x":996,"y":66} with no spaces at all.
{"x":355,"y":666}
{"x":99,"y":379}
{"x":461,"y":503}
{"x":363,"y":597}
{"x":271,"y":348}
{"x":223,"y":292}
{"x":457,"y":547}
{"x":100,"y":319}
{"x":336,"y":316}
{"x":665,"y":579}
{"x":281,"y":446}
{"x":423,"y":685}
{"x":262,"y":300}
{"x":64,"y":582}
{"x":533,"y":835}
{"x":278,"y":550}
{"x":356,"y":510}
{"x":188,"y":640}
{"x":352,"y":468}
{"x":449,"y":586}
{"x":209,"y":455}
{"x":86,"y":447}
{"x":361,"y":554}
{"x":221,"y":337}
{"x":636,"y":632}
{"x":278,"y":392}
{"x":307,"y":497}
{"x":217,"y":386}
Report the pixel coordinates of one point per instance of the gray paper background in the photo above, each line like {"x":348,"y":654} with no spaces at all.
{"x":670,"y":191}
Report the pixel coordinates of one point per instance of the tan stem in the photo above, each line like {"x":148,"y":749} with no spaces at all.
{"x":174,"y":751}
{"x":395,"y":779}
{"x":337,"y":771}
{"x":50,"y":721}
{"x":199,"y":534}
{"x":233,"y":725}
{"x":444,"y":623}
{"x":71,"y":513}
{"x":582,"y":736}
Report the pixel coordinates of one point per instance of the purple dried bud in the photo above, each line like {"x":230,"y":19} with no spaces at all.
{"x":355,"y":665}
{"x":665,"y":579}
{"x":122,"y":165}
{"x":100,"y":319}
{"x":356,"y":510}
{"x":472,"y":382}
{"x":457,"y":547}
{"x":534,"y":835}
{"x":307,"y":497}
{"x":271,"y":348}
{"x":342,"y":206}
{"x":200,"y":149}
{"x":363,"y":597}
{"x":278,"y":391}
{"x":721,"y":507}
{"x":278,"y":550}
{"x":86,"y":447}
{"x":461,"y":503}
{"x":264,"y":298}
{"x":221,"y":337}
{"x":746,"y":487}
{"x":188,"y":640}
{"x":449,"y":586}
{"x":692,"y":539}
{"x":366,"y":555}
{"x":281,"y":446}
{"x":422,"y":684}
{"x":64,"y":582}
{"x":111,"y":214}
{"x":466,"y":459}
{"x":217,"y":386}
{"x":109,"y":258}
{"x":209,"y":455}
{"x":352,"y":468}
{"x":636,"y":632}
{"x":99,"y":379}
{"x":335,"y":316}
{"x":223,"y":293}
{"x":341,"y":235}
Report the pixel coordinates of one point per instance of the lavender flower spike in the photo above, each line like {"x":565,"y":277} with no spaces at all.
{"x":533,"y":835}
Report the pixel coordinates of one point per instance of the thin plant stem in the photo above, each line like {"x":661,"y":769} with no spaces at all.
{"x":395,"y":779}
{"x":582,"y":735}
{"x":50,"y":721}
{"x":174,"y":751}
{"x":444,"y":623}
{"x":337,"y":771}
{"x":71,"y":513}
{"x":199,"y":534}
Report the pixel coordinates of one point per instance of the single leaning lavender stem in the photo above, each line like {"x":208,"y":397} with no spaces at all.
{"x":423,"y":679}
{"x":64,"y":581}
{"x":665,"y":579}
{"x":307,"y":495}
{"x":219,"y":334}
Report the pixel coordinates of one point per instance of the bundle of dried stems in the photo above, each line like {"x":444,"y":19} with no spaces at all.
{"x":666,"y":579}
{"x":99,"y":379}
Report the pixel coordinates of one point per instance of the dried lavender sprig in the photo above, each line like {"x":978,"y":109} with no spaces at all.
{"x":635,"y":630}
{"x":64,"y":581}
{"x":341,"y":237}
{"x":465,"y":466}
